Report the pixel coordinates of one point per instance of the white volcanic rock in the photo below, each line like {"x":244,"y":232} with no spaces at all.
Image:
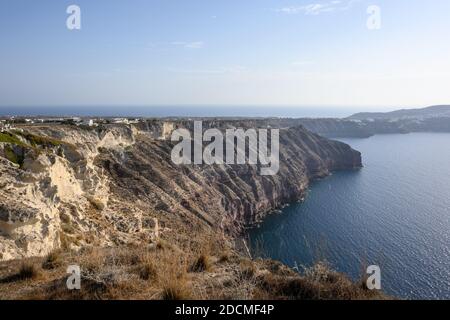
{"x":106,"y":186}
{"x":60,"y":182}
{"x":29,"y":218}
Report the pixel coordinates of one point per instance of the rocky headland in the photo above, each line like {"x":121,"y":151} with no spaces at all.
{"x":366,"y":124}
{"x":76,"y":190}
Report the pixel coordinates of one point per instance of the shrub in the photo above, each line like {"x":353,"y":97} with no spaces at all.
{"x":162,"y":245}
{"x":201,"y":264}
{"x":41,"y":141}
{"x":147,"y":271}
{"x":176,"y":291}
{"x":224,"y":257}
{"x":12,"y":156}
{"x":27,"y":271}
{"x":68,"y":228}
{"x":52,"y":260}
{"x":248,"y":269}
{"x":10,"y":138}
{"x":96,"y":203}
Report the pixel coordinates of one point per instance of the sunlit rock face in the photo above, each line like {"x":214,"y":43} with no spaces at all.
{"x":69,"y":187}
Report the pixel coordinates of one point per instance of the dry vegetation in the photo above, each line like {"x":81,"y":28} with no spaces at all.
{"x":201,"y":268}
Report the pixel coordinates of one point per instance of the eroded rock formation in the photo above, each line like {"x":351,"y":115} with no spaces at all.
{"x":64,"y":186}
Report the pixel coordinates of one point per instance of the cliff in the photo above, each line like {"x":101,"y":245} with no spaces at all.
{"x":366,"y":124}
{"x":110,"y":200}
{"x":421,"y":113}
{"x":74,"y":187}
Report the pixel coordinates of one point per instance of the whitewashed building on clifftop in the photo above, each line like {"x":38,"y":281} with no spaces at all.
{"x":88,"y":122}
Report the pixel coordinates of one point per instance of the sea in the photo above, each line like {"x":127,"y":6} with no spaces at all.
{"x":159,"y":111}
{"x":393,"y":213}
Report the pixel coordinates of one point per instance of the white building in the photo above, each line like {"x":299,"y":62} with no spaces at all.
{"x":88,"y":122}
{"x":120,"y":120}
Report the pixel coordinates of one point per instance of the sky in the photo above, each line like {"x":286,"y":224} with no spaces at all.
{"x":225,"y":52}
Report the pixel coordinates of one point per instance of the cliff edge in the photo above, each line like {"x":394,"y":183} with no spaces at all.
{"x":69,"y":189}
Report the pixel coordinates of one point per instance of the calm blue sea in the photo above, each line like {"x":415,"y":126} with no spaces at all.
{"x":181,"y":111}
{"x":395,"y":213}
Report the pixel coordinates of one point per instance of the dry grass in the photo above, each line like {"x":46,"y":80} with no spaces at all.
{"x":318,"y":283}
{"x":224,"y":257}
{"x":147,"y":271}
{"x":114,"y":273}
{"x":176,"y":291}
{"x":247,"y":269}
{"x":201,"y":264}
{"x":96,"y":203}
{"x":173,"y":269}
{"x":28,"y":271}
{"x":52,"y":260}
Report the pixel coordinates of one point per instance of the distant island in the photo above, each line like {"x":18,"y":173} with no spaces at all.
{"x":422,"y":114}
{"x":366,"y":124}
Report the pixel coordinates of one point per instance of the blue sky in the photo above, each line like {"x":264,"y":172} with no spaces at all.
{"x":225,"y":52}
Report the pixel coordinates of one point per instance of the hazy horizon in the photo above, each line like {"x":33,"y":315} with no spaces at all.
{"x":193,"y":111}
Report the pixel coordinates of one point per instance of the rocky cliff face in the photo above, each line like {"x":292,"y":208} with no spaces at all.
{"x":63,"y":186}
{"x":349,"y":128}
{"x":366,"y":124}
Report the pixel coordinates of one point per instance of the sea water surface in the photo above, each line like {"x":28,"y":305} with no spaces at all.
{"x":182,"y":111}
{"x":394,"y":212}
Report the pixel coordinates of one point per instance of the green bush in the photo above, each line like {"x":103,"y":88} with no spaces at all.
{"x":10,"y":138}
{"x":12,"y":156}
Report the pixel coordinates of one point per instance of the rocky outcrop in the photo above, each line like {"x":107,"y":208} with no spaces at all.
{"x":45,"y":200}
{"x":366,"y":124}
{"x":363,"y":125}
{"x":115,"y":184}
{"x":230,"y":196}
{"x":442,"y":111}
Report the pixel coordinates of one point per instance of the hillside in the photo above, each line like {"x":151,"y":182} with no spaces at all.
{"x":366,"y":124}
{"x":420,"y":114}
{"x":69,"y":195}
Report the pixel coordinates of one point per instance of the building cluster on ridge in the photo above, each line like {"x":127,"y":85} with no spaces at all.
{"x":8,"y":123}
